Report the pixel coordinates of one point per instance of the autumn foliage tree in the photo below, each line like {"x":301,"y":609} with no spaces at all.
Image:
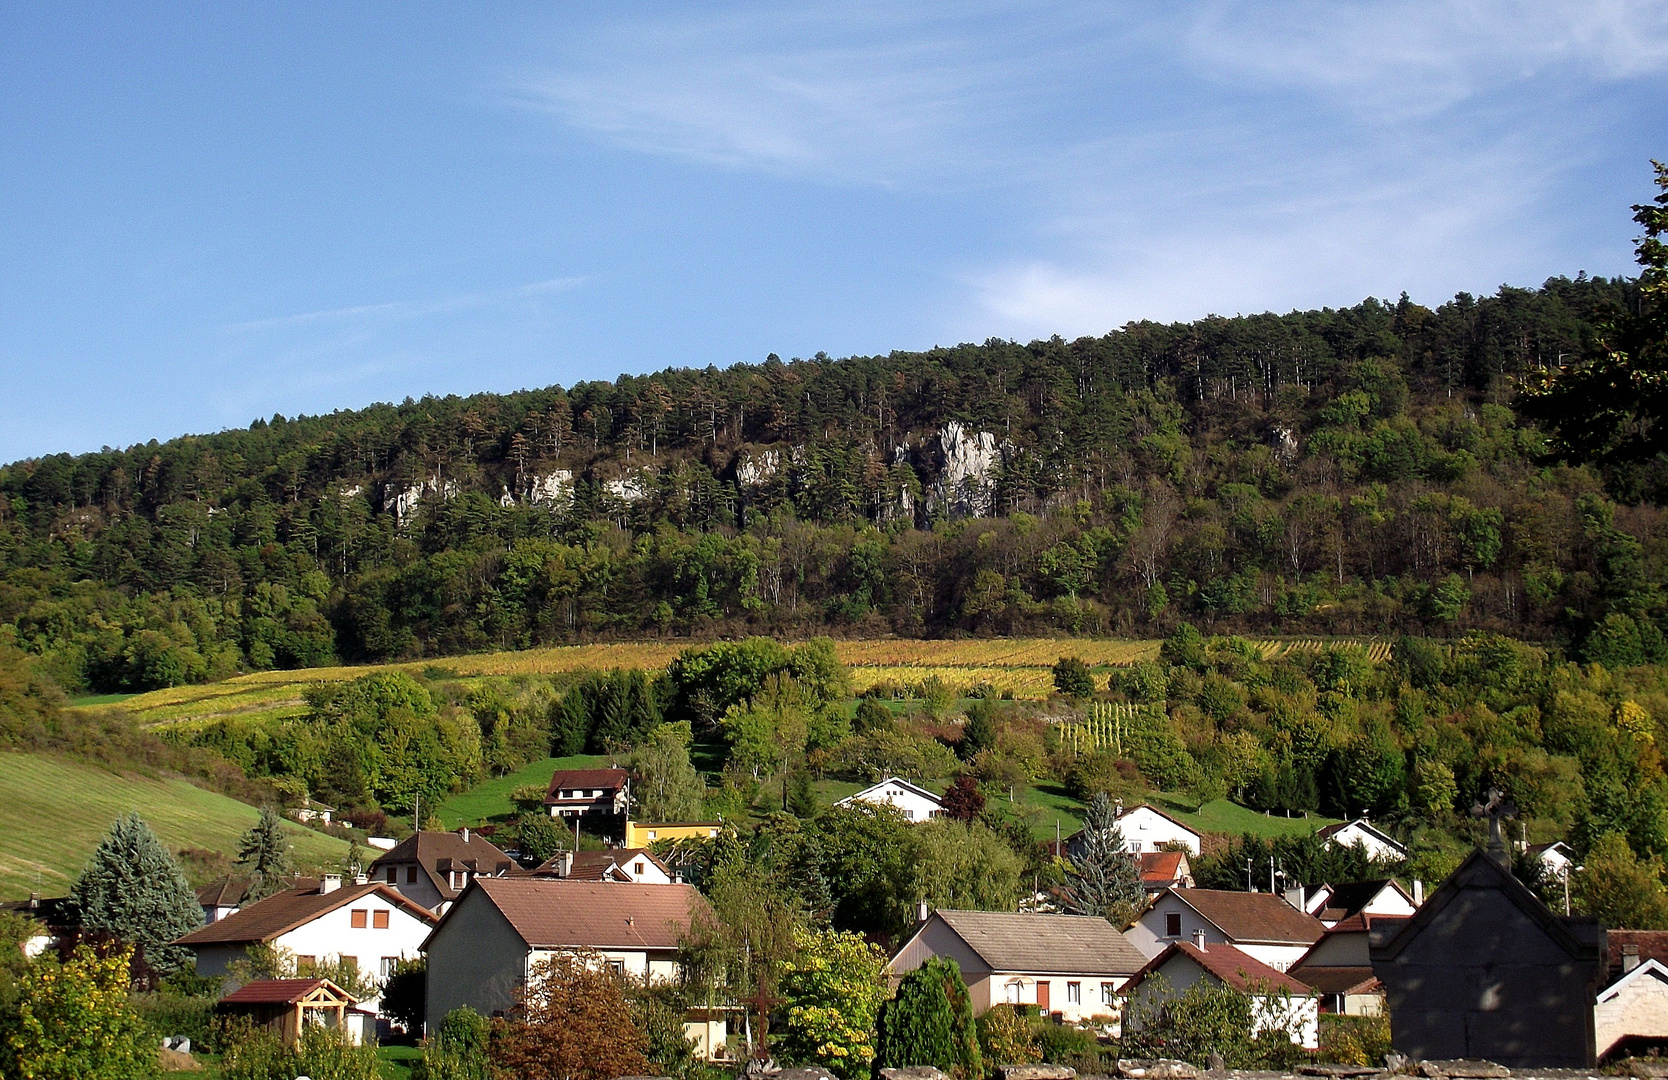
{"x":572,"y":1022}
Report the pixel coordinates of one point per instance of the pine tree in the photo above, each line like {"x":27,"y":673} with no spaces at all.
{"x":134,"y":889}
{"x":265,"y":854}
{"x":930,"y":1022}
{"x":1106,"y":876}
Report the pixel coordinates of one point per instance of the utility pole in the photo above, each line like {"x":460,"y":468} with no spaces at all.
{"x":1249,"y":887}
{"x":417,"y":813}
{"x":1271,"y":887}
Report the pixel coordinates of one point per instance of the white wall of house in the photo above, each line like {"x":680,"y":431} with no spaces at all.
{"x":1636,"y":1004}
{"x":1145,"y":829}
{"x":1377,"y":849}
{"x":912,"y":804}
{"x":1151,"y":934}
{"x":333,"y":934}
{"x":410,"y":881}
{"x":1075,"y":997}
{"x":1300,"y":1015}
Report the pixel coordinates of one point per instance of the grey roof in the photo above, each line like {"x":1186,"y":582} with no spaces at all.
{"x":1023,"y":941}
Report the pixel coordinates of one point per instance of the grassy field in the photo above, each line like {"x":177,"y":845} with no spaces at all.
{"x":53,"y":812}
{"x":492,"y":798}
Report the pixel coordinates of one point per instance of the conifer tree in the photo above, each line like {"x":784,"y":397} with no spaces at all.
{"x":1106,"y":876}
{"x":134,"y":889}
{"x":265,"y":854}
{"x":930,"y":1022}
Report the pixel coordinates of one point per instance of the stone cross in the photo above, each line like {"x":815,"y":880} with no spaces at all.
{"x":1497,"y":807}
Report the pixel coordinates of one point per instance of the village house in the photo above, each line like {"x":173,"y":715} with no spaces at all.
{"x":1263,"y":925}
{"x":286,"y":1007}
{"x":1162,"y":870}
{"x":1484,"y":969}
{"x":1146,"y":828}
{"x":1278,"y":1001}
{"x":432,"y":868}
{"x":636,"y":866}
{"x":641,"y":834}
{"x":1555,"y":858}
{"x":1381,"y":847}
{"x":487,"y":944}
{"x":1069,"y":965}
{"x":1630,"y":1016}
{"x":54,"y":918}
{"x":913,"y":801}
{"x":229,"y":894}
{"x":1333,"y":904}
{"x":365,"y":922}
{"x":589,"y":793}
{"x":1340,"y":969}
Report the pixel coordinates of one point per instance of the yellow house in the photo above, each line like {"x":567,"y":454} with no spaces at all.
{"x":642,"y":834}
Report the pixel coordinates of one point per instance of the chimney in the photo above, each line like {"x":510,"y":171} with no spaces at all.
{"x":34,"y":901}
{"x":1418,"y":893}
{"x":1295,"y":897}
{"x":330,"y":884}
{"x":921,"y":912}
{"x":361,"y":879}
{"x":1199,"y":940}
{"x":1630,"y":958}
{"x":464,"y":832}
{"x":565,"y":868}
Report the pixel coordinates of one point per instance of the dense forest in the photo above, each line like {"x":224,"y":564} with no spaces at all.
{"x":1349,"y":471}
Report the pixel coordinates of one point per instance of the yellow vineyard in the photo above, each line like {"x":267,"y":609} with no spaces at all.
{"x":1016,"y":666}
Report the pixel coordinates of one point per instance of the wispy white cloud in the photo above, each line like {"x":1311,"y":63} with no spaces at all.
{"x":1403,"y":58}
{"x":406,"y":309}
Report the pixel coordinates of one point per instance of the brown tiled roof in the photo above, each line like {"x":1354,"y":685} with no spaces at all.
{"x":606,"y":779}
{"x":1238,"y":969}
{"x":280,"y":991}
{"x":1361,"y":922}
{"x":231,"y":891}
{"x":1254,"y":918}
{"x":1161,"y":866}
{"x":564,"y":914}
{"x":1349,"y":898}
{"x":282,"y":912}
{"x":591,"y":865}
{"x":439,"y":853}
{"x":1024,"y":942}
{"x":1652,"y":945}
{"x":1337,"y":980}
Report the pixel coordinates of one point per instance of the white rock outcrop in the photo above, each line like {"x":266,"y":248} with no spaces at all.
{"x":966,"y":483}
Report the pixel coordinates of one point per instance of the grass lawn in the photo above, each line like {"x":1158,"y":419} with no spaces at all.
{"x":396,"y":1061}
{"x":492,"y":799}
{"x":54,"y":811}
{"x":1222,"y":816}
{"x":100,"y":699}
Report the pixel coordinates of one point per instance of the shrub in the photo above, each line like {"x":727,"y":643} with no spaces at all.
{"x":168,"y":1014}
{"x":75,"y":1020}
{"x":930,"y":1022}
{"x":1072,"y":678}
{"x":1005,"y":1038}
{"x":458,"y":1051}
{"x":1354,"y":1040}
{"x":1066,"y":1044}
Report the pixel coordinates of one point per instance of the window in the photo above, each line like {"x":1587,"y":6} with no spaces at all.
{"x":1074,"y":993}
{"x":1108,"y":994}
{"x":1013,"y":992}
{"x":411,"y":875}
{"x":393,"y":875}
{"x":304,"y":965}
{"x":389,"y":963}
{"x":1172,"y":924}
{"x":617,"y":967}
{"x":1135,"y":845}
{"x":357,"y":918}
{"x":379,"y":920}
{"x":637,"y":869}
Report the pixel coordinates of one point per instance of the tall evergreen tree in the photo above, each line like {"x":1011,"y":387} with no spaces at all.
{"x":134,"y":889}
{"x":1106,"y":876}
{"x":930,"y":1022}
{"x":265,"y":854}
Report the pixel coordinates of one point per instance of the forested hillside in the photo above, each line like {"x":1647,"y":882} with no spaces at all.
{"x":1334,"y":471}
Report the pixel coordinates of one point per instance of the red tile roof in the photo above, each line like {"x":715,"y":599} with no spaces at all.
{"x":564,"y":914}
{"x":280,"y":992}
{"x":593,"y":865}
{"x":1254,"y":918}
{"x":1238,"y":969}
{"x":439,"y":853}
{"x":1161,"y":866}
{"x":1652,"y":945}
{"x":282,"y":912}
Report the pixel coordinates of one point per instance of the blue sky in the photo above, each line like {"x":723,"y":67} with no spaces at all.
{"x":218,"y":212}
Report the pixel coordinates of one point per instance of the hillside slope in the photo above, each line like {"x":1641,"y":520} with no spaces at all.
{"x":54,"y":811}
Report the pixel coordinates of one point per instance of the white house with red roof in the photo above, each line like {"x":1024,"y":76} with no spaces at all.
{"x":588,"y":793}
{"x":1147,"y":828}
{"x":1263,"y":925}
{"x":1278,"y":1001}
{"x":366,"y":922}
